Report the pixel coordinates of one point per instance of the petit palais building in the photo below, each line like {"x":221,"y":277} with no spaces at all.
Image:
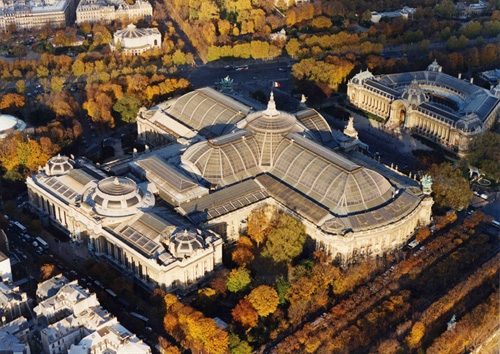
{"x":446,"y":109}
{"x":162,"y":215}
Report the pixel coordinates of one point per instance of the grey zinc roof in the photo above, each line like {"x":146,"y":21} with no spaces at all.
{"x":142,"y":232}
{"x":224,"y":201}
{"x":160,"y":172}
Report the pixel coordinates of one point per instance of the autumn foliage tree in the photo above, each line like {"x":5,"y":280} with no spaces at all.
{"x":264,"y":300}
{"x":192,"y":328}
{"x":238,"y":279}
{"x":245,"y":314}
{"x":47,"y":271}
{"x":243,"y":254}
{"x":286,"y":240}
{"x":11,"y":101}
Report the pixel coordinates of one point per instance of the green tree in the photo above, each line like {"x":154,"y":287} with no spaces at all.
{"x":128,"y":106}
{"x":238,"y":279}
{"x":286,"y":240}
{"x":282,"y":286}
{"x":449,"y":187}
{"x":20,"y":87}
{"x":238,"y":346}
{"x":485,"y":154}
{"x":445,"y":9}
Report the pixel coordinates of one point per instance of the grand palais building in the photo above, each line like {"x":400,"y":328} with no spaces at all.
{"x":446,"y":109}
{"x":163,"y":215}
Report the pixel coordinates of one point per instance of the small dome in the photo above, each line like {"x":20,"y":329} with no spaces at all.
{"x":414,"y":95}
{"x":132,"y":32}
{"x":271,"y":120}
{"x":117,"y":196}
{"x":469,"y":123}
{"x":58,"y":165}
{"x":185,"y":243}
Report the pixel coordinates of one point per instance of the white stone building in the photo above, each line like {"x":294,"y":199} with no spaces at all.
{"x":70,"y":299}
{"x":350,"y":205}
{"x":81,"y":322}
{"x":5,"y":269}
{"x":430,"y":103}
{"x":13,"y":302}
{"x":118,"y":220}
{"x":134,"y":41}
{"x":35,"y":14}
{"x":111,"y":339}
{"x":9,"y":125}
{"x":50,"y":287}
{"x":106,"y":11}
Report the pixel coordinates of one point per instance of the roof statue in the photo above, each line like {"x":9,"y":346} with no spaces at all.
{"x":435,"y":67}
{"x":271,"y":110}
{"x":303,"y":100}
{"x":426,"y":181}
{"x":226,"y":83}
{"x":350,"y":131}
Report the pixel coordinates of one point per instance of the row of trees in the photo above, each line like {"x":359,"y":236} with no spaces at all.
{"x":359,"y":320}
{"x":192,"y":329}
{"x":475,"y":328}
{"x":445,"y":304}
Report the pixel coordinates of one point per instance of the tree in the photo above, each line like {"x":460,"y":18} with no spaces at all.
{"x":47,"y":271}
{"x":445,"y":9}
{"x":243,"y":254}
{"x":264,"y":300}
{"x":260,"y":223}
{"x":118,"y":46}
{"x":366,"y":16}
{"x":449,"y":187}
{"x":286,"y":240}
{"x":485,"y":154}
{"x":238,"y":346}
{"x":128,"y":106}
{"x":423,"y":233}
{"x":56,"y":83}
{"x":416,"y":335}
{"x":238,"y":279}
{"x":245,"y":314}
{"x":78,"y":68}
{"x":20,"y":87}
{"x":11,"y":102}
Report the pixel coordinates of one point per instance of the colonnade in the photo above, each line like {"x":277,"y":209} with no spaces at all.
{"x":150,"y":135}
{"x":49,"y":207}
{"x":373,"y":103}
{"x":425,"y":125}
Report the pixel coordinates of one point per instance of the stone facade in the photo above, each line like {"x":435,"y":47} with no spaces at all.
{"x":36,"y":14}
{"x":134,"y":41}
{"x":106,"y":11}
{"x":105,"y":214}
{"x":430,"y":103}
